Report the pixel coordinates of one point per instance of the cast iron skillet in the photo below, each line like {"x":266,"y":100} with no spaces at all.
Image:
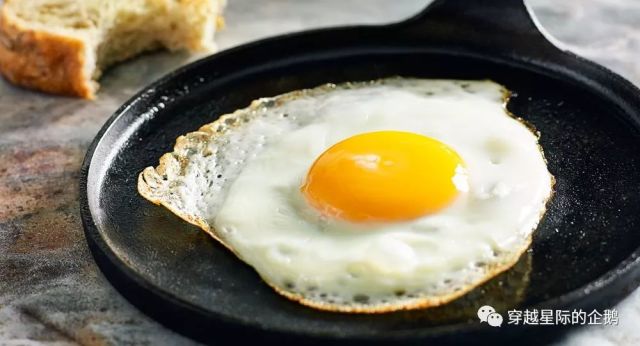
{"x":584,"y":253}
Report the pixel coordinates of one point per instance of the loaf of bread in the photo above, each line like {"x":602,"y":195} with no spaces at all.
{"x":62,"y":46}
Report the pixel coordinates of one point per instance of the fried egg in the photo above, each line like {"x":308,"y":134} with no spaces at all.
{"x":365,"y":197}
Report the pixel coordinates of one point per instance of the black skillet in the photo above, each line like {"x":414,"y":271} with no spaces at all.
{"x":584,"y":253}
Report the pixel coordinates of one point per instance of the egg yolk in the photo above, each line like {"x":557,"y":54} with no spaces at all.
{"x":384,"y":176}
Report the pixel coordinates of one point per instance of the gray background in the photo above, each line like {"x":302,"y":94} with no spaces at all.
{"x":51,"y":291}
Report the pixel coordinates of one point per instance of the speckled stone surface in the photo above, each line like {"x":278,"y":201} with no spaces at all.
{"x":51,"y":292}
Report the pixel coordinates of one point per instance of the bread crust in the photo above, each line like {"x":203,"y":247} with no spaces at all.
{"x":42,"y":60}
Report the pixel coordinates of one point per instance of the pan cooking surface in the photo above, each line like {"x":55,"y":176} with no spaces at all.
{"x":589,"y":229}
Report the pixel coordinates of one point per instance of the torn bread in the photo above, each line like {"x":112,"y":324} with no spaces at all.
{"x":62,"y":46}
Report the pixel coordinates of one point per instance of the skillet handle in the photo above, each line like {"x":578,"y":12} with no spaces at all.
{"x":500,"y":24}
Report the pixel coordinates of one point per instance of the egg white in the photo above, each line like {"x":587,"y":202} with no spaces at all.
{"x":240,"y":180}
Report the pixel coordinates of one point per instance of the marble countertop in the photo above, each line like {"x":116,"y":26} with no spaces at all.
{"x":51,"y":292}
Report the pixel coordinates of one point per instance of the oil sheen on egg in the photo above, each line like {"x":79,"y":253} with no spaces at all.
{"x":364,"y":197}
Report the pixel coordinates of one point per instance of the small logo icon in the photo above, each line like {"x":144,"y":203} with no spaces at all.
{"x":494,"y":319}
{"x":488,"y":314}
